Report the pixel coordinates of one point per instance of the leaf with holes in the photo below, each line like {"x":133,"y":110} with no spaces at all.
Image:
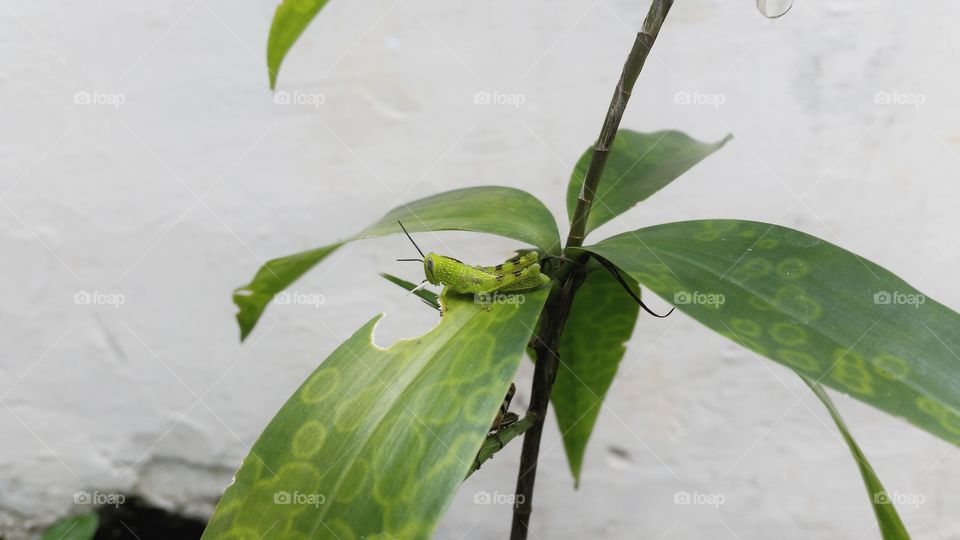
{"x":376,"y":441}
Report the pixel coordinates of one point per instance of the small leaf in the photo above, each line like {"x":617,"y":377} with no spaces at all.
{"x":593,"y":343}
{"x":81,"y":527}
{"x":639,"y":165}
{"x":810,"y":305}
{"x":289,"y":21}
{"x":504,"y":211}
{"x":428,"y":297}
{"x":891,"y":527}
{"x":376,"y":442}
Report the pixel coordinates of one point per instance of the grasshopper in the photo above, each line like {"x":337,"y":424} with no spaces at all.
{"x":521,"y":273}
{"x":504,"y":417}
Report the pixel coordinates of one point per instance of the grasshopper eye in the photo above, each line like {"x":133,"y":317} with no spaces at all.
{"x":430,"y":265}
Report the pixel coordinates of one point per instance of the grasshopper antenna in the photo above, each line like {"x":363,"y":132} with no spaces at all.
{"x":422,"y":256}
{"x":609,"y":266}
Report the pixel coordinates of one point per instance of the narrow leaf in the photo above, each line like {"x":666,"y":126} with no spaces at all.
{"x":376,"y":442}
{"x":891,"y":527}
{"x":488,"y":209}
{"x":639,"y":165}
{"x":428,"y":297}
{"x":289,"y":21}
{"x":593,"y":343}
{"x":810,"y":305}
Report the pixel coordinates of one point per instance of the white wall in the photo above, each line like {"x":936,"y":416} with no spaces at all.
{"x":177,"y":196}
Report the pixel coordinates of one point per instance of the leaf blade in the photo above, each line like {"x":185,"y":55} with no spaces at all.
{"x":888,"y":520}
{"x":289,"y":21}
{"x":815,"y":303}
{"x":80,"y":527}
{"x":639,"y":165}
{"x":385,"y":435}
{"x":593,"y":343}
{"x":428,"y":297}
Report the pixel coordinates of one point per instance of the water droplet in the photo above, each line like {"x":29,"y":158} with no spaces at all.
{"x":774,"y":8}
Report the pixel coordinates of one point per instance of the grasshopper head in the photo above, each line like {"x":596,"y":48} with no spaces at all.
{"x":430,"y":265}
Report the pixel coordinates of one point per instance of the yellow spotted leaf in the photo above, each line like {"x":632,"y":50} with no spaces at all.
{"x":375,"y":442}
{"x":832,"y":316}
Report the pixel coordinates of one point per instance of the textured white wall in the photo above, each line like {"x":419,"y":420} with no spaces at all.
{"x":177,"y":195}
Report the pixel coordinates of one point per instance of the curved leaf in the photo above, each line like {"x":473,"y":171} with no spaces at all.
{"x":593,"y":343}
{"x":503,"y":211}
{"x":289,"y":21}
{"x":639,"y":165}
{"x":810,"y":305}
{"x":891,"y":527}
{"x":375,"y":443}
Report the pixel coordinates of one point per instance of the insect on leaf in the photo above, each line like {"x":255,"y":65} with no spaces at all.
{"x":503,"y":211}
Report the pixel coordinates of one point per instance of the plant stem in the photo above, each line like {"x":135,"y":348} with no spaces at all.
{"x":618,"y":104}
{"x":555,"y":314}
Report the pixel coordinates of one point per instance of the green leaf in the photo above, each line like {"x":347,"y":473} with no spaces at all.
{"x":593,"y":343}
{"x":376,"y":441}
{"x":639,"y":165}
{"x":497,"y":210}
{"x":428,"y":297}
{"x":891,"y":527}
{"x":810,"y":305}
{"x":81,"y":527}
{"x":289,"y":21}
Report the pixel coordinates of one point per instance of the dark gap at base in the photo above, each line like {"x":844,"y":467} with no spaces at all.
{"x":137,"y":519}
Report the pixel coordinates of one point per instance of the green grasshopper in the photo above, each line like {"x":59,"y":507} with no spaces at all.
{"x":521,"y":273}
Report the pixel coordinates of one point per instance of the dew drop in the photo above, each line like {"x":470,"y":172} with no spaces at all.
{"x":774,"y":8}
